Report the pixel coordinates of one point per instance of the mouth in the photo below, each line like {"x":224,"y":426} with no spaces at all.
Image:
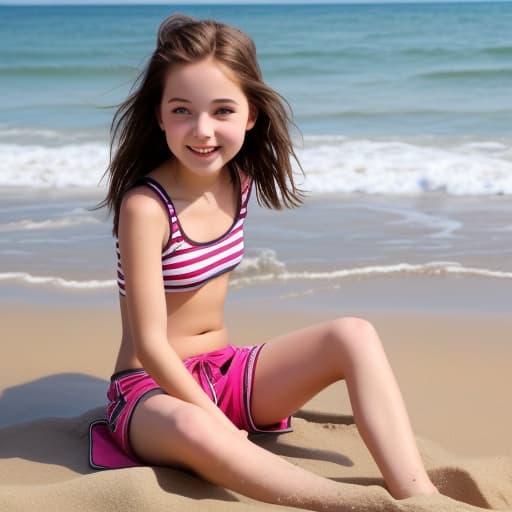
{"x":203,"y":151}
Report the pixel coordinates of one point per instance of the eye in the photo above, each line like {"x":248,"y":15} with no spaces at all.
{"x":224,"y":111}
{"x":180,"y":110}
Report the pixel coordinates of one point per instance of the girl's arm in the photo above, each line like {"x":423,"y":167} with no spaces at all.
{"x":143,"y":226}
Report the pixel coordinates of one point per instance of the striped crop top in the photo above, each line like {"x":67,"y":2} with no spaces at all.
{"x":187,"y":265}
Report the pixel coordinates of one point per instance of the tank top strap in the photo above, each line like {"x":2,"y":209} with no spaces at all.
{"x":245,"y":193}
{"x":154,"y":185}
{"x":246,"y":187}
{"x":166,"y":200}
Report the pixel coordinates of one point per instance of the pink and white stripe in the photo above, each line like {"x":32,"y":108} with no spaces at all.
{"x":187,"y":265}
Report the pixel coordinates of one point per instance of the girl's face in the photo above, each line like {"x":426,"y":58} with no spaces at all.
{"x":204,"y":114}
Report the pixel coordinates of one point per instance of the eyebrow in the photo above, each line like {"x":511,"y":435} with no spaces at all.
{"x":219,"y":100}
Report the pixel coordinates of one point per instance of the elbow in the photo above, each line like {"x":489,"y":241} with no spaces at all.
{"x":149,"y":351}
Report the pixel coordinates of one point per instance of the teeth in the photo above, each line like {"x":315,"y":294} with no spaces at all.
{"x":204,"y":151}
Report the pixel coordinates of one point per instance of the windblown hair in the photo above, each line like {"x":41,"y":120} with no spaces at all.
{"x":138,"y":144}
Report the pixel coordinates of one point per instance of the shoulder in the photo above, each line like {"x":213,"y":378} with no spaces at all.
{"x":143,"y":216}
{"x":142,"y":203}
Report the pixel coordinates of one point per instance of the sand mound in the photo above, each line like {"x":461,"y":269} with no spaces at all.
{"x":44,"y":466}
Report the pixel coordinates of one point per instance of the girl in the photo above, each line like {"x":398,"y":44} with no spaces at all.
{"x":200,"y":130}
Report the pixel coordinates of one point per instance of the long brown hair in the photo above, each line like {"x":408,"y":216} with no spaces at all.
{"x":138,"y":144}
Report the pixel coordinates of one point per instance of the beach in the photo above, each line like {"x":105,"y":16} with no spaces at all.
{"x":404,"y":135}
{"x":453,"y":371}
{"x":445,"y":327}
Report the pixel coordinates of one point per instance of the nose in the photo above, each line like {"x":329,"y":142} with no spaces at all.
{"x":204,"y":127}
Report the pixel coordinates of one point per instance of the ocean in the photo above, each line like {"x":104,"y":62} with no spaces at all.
{"x":404,"y":117}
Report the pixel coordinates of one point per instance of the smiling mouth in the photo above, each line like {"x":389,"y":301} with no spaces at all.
{"x":203,"y":151}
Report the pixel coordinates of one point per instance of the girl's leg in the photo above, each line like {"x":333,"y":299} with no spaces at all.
{"x":167,"y":431}
{"x":293,"y":368}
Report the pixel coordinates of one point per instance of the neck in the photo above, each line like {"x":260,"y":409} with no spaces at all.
{"x":193,"y":185}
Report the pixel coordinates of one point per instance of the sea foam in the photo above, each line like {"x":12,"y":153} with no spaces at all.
{"x":332,"y":165}
{"x":263,"y":266}
{"x":55,"y":281}
{"x":48,"y":224}
{"x":73,"y":165}
{"x":433,"y":268}
{"x":249,"y":277}
{"x":398,"y":167}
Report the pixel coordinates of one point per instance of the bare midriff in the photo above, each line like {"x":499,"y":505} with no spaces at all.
{"x":195,"y":323}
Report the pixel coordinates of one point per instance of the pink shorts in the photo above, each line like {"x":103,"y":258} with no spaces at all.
{"x":226,"y":375}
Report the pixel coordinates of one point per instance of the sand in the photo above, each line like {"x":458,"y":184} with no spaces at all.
{"x":453,"y":371}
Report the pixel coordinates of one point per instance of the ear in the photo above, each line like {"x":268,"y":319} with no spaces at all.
{"x":253,"y":117}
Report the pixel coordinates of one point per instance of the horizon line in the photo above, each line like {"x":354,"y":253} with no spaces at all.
{"x":239,"y":3}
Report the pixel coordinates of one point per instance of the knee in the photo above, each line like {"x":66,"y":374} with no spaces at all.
{"x":353,"y":336}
